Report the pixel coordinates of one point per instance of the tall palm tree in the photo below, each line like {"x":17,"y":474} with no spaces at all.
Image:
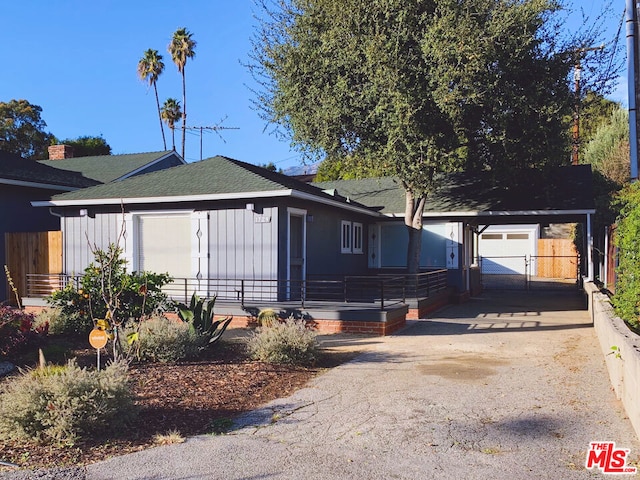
{"x":150,"y":67}
{"x":171,"y":114}
{"x":181,"y":48}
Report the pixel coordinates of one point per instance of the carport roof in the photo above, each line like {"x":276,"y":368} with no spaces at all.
{"x":560,"y":191}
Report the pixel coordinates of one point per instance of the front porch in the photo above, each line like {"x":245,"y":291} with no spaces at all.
{"x":374,"y":304}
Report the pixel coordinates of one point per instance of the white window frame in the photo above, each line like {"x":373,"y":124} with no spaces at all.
{"x":351,"y":237}
{"x":346,"y":236}
{"x":357,"y":231}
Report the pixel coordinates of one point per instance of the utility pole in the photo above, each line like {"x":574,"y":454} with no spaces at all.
{"x":631,"y":18}
{"x":576,"y":112}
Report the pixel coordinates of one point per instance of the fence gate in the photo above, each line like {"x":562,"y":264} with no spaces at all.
{"x":29,"y":253}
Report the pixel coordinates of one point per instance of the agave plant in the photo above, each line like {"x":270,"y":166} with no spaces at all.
{"x":200,"y":317}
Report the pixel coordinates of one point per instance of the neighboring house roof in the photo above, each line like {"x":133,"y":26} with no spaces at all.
{"x":109,"y":168}
{"x":560,"y":190}
{"x":14,"y":170}
{"x":218,"y":178}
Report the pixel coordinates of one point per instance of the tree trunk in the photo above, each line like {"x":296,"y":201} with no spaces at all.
{"x":164,"y":140}
{"x":414,"y":209}
{"x":184,"y":112}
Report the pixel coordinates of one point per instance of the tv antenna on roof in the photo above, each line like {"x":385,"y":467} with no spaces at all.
{"x":215,"y":128}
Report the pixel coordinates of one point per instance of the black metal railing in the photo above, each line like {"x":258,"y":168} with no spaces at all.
{"x":381,"y":290}
{"x":349,"y":289}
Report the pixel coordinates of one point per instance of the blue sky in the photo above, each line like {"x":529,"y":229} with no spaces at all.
{"x":77,"y":60}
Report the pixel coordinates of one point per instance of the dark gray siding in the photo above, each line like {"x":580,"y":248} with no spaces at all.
{"x":17,"y":215}
{"x":243,"y":244}
{"x":324,"y":255}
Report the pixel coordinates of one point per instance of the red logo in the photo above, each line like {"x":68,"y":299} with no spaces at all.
{"x":608,"y":458}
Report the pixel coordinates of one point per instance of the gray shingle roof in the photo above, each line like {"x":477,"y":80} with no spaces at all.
{"x":213,"y":176}
{"x":106,"y":168}
{"x":563,"y":188}
{"x":16,"y":169}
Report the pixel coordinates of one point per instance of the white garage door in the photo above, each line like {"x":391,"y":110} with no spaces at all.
{"x":164,"y":244}
{"x":505,"y":252}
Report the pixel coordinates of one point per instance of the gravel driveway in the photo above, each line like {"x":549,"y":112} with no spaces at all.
{"x":508,"y":385}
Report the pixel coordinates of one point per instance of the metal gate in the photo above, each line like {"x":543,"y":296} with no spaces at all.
{"x":530,"y":272}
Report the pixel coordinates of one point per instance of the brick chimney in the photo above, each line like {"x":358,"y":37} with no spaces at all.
{"x":60,"y":152}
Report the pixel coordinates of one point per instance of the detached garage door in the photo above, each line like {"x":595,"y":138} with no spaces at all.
{"x":506,"y":252}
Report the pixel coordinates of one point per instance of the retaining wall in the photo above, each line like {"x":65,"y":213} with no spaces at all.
{"x":624,"y":371}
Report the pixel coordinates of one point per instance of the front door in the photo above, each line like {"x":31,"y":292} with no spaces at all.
{"x":296,"y":256}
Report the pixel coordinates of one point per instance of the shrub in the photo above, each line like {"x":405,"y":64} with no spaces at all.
{"x":289,"y":342}
{"x":626,"y":300}
{"x":135,"y":294}
{"x":62,"y":405}
{"x":16,"y":330}
{"x":59,"y":323}
{"x":159,"y":339}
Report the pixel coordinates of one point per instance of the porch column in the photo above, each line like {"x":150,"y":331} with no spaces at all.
{"x":589,"y":250}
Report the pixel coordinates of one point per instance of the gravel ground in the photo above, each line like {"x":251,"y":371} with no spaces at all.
{"x":504,"y":386}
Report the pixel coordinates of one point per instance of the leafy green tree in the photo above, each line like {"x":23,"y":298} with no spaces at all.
{"x":87,"y":146}
{"x":608,"y":150}
{"x":625,"y":300}
{"x":416,"y":88}
{"x":150,"y":67}
{"x":22,"y":130}
{"x":171,"y":114}
{"x":595,"y":111}
{"x":181,"y":48}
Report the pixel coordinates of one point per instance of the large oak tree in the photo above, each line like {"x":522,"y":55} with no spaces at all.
{"x":416,"y":88}
{"x":22,"y":130}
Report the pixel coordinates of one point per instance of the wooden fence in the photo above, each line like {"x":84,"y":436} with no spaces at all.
{"x":557,"y":258}
{"x":31,"y":252}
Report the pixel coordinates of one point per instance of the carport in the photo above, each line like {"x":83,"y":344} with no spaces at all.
{"x":513,"y":213}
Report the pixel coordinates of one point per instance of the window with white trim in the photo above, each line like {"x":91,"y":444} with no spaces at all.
{"x":357,"y":237}
{"x":346,"y":237}
{"x":351,"y":237}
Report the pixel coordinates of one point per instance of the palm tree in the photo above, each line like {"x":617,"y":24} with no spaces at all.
{"x":181,"y":48}
{"x":150,"y":67}
{"x":171,"y":114}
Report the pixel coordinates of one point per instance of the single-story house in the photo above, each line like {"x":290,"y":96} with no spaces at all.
{"x":217,"y":219}
{"x":225,"y":225}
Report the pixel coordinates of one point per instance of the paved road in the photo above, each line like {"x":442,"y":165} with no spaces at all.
{"x":504,"y":386}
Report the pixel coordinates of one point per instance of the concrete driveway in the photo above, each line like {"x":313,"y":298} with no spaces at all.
{"x":508,"y":385}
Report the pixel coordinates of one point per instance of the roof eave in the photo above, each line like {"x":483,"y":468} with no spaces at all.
{"x":335,"y":203}
{"x":207,"y":197}
{"x":172,"y":199}
{"x":500,"y":213}
{"x":48,"y":186}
